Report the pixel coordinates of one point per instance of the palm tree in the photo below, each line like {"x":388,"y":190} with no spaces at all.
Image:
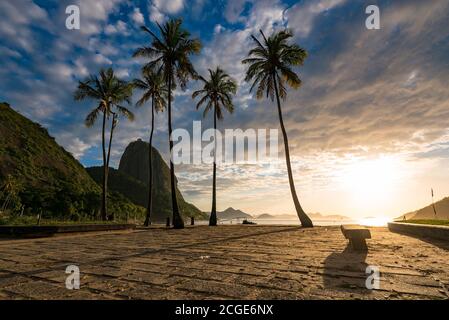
{"x":110,"y":92}
{"x":217,"y":93}
{"x":270,"y":68}
{"x":155,"y":89}
{"x":169,"y":55}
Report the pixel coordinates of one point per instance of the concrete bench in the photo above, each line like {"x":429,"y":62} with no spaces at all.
{"x":357,"y":236}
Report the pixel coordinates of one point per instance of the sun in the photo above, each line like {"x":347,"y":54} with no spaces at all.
{"x":371,"y":176}
{"x":371,"y":183}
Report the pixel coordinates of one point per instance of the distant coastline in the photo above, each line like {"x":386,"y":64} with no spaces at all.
{"x":235,"y":214}
{"x":291,"y":222}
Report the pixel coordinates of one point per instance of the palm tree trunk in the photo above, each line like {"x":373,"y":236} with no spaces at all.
{"x":178,"y":223}
{"x":6,"y":203}
{"x":213,"y":213}
{"x":4,"y":191}
{"x":104,"y":213}
{"x":114,"y":117}
{"x":150,"y":169}
{"x":305,"y":220}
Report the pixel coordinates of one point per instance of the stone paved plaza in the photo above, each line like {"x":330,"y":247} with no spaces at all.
{"x":225,"y":262}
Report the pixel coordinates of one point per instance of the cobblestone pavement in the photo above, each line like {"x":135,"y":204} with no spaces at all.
{"x":224,"y":262}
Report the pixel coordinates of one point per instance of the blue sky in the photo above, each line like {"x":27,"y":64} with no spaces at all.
{"x":369,"y":96}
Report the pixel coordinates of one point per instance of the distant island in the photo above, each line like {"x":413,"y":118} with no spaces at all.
{"x":268,"y":216}
{"x":231,"y":213}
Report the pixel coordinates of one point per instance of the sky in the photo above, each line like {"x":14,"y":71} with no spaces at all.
{"x":367,"y":129}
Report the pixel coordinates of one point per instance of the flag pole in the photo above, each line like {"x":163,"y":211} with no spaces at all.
{"x":433,"y":204}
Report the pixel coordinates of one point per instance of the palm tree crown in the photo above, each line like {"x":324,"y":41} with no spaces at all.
{"x":216,"y":93}
{"x":109,"y":91}
{"x":153,"y":87}
{"x":271,"y":62}
{"x":170,"y":52}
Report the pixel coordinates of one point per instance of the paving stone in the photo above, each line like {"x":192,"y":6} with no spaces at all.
{"x":240,"y":262}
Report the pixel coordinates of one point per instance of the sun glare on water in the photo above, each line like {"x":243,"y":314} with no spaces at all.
{"x":374,"y":221}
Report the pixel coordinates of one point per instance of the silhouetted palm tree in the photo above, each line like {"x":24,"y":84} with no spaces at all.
{"x":270,"y":68}
{"x":169,"y":55}
{"x":154,"y":89}
{"x":110,"y":92}
{"x":216,"y":93}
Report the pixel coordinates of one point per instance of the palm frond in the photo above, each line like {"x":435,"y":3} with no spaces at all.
{"x":216,"y":92}
{"x":146,"y":52}
{"x":107,"y":90}
{"x":125,"y":112}
{"x":92,"y":117}
{"x":272,"y":59}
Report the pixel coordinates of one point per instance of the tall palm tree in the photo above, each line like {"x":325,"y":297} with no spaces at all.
{"x":270,"y":68}
{"x":154,"y":89}
{"x":169,"y":55}
{"x":110,"y":92}
{"x":217,"y":94}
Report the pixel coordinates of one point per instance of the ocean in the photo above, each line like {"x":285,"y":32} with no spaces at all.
{"x":281,"y":222}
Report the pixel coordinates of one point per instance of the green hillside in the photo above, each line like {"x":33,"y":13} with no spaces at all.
{"x":119,"y":182}
{"x":441,"y":207}
{"x":39,"y":176}
{"x":131,"y":180}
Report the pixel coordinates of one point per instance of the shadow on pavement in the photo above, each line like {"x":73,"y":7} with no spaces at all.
{"x":346,"y":271}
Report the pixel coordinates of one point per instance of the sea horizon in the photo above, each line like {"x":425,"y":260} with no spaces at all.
{"x":279,"y":222}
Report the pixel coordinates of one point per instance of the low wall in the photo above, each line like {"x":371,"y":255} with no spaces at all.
{"x":45,"y":231}
{"x":420,"y":230}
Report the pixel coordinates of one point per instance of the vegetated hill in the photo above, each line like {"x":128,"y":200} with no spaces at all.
{"x":131,"y":180}
{"x":129,"y":187}
{"x":231,"y":213}
{"x":441,"y":207}
{"x":44,"y":177}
